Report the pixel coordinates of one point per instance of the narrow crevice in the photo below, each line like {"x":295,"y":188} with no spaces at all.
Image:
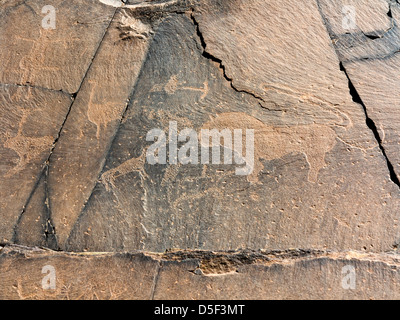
{"x":326,"y":23}
{"x":109,"y":149}
{"x":390,"y":14}
{"x":30,"y":86}
{"x":14,"y":238}
{"x":74,"y":95}
{"x":372,"y":126}
{"x":371,"y":36}
{"x":50,"y":233}
{"x":49,"y":227}
{"x":155,"y":281}
{"x":357,"y":98}
{"x":213,"y":58}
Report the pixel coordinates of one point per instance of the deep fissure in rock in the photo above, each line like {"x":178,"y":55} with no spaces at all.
{"x":371,"y":125}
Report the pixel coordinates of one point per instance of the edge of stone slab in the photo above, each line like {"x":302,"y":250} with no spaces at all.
{"x":214,"y":262}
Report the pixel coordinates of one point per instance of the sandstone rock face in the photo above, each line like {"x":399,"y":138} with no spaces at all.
{"x":179,"y":275}
{"x":105,"y":111}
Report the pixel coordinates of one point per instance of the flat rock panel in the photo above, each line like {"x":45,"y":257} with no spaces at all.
{"x":208,"y":206}
{"x":30,"y":121}
{"x":372,"y":64}
{"x":45,"y":57}
{"x":90,"y":109}
{"x":77,"y":277}
{"x":95,"y":116}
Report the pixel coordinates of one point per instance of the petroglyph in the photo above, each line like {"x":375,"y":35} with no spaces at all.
{"x":174,"y":85}
{"x":27,"y":148}
{"x":131,"y":165}
{"x":34,"y":63}
{"x":314,"y":141}
{"x":101,"y":113}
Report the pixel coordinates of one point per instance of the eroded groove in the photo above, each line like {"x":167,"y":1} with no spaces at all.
{"x":80,"y":87}
{"x":214,"y":262}
{"x":155,"y":281}
{"x":48,"y":202}
{"x":14,"y":238}
{"x":228,"y":262}
{"x":372,"y":126}
{"x":160,"y":5}
{"x":357,"y":98}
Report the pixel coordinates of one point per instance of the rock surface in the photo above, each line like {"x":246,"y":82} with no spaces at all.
{"x":179,"y":275}
{"x":78,"y":102}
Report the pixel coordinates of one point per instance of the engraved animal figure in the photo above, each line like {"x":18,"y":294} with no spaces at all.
{"x":27,"y":148}
{"x":314,"y":141}
{"x":270,"y":143}
{"x":33,"y":64}
{"x":131,"y":165}
{"x":173,"y":85}
{"x":101,"y":113}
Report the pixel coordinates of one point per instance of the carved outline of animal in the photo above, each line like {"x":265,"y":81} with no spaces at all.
{"x":314,"y":141}
{"x":131,"y":165}
{"x":26,"y":147}
{"x":100,"y":114}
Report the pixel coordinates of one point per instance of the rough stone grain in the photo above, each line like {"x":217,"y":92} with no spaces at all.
{"x":187,"y":275}
{"x":78,"y":101}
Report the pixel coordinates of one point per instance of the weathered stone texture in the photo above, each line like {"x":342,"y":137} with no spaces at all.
{"x":179,"y":275}
{"x":78,"y":101}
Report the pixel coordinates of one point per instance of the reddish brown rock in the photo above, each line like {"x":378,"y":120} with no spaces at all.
{"x":32,"y":274}
{"x":50,"y":58}
{"x":78,"y":102}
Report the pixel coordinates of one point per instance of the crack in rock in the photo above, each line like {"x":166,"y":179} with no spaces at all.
{"x":213,"y":58}
{"x":372,"y":126}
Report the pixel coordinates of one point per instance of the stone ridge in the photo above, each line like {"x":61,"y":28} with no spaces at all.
{"x":192,"y":274}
